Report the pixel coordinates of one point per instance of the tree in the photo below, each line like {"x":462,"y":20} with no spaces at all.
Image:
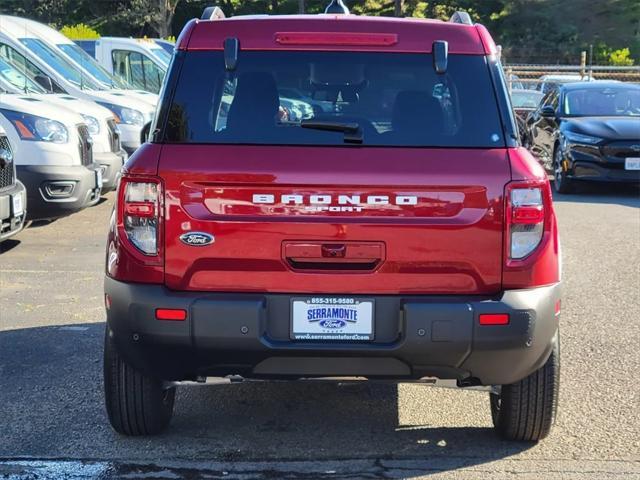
{"x":397,"y":11}
{"x":161,"y":20}
{"x":156,"y":14}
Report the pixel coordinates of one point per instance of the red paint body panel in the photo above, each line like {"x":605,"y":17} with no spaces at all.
{"x":486,"y":39}
{"x":144,"y":161}
{"x":450,"y":241}
{"x":413,"y":35}
{"x":365,"y":233}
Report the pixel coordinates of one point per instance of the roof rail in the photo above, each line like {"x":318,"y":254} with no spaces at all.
{"x":212,"y":13}
{"x":461,"y":17}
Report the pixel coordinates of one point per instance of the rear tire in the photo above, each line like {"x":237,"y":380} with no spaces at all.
{"x":136,"y":403}
{"x":561,"y":182}
{"x":526,"y":410}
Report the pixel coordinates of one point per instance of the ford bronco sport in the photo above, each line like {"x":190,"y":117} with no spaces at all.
{"x":333,"y":196}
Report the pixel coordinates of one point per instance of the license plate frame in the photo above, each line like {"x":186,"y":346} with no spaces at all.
{"x":17,"y":205}
{"x":632,"y":163}
{"x":99,"y":181}
{"x":353,"y":321}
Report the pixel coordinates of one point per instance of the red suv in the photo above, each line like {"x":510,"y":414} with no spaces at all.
{"x":333,"y":196}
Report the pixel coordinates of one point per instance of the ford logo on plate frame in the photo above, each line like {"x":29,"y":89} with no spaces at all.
{"x":197,"y":239}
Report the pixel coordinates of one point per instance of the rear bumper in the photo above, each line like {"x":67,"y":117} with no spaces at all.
{"x":10,"y":223}
{"x":597,"y":169}
{"x":588,"y":171}
{"x":56,"y":191}
{"x":111,"y":164}
{"x":416,"y":336}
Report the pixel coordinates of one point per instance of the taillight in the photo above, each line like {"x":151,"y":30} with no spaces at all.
{"x":140,"y":212}
{"x":525,"y":220}
{"x":531,"y":241}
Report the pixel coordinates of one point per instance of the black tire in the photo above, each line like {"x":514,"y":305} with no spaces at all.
{"x":526,"y":410}
{"x":136,"y":404}
{"x":561,"y":182}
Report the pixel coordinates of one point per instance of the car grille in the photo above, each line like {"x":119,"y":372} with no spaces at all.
{"x":114,"y":136}
{"x":84,"y":145}
{"x":622,"y":149}
{"x":7,"y":172}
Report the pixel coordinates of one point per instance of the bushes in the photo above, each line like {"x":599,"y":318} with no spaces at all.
{"x":621,"y":57}
{"x":79,"y":32}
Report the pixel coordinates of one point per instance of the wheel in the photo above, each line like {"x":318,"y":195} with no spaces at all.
{"x":561,"y":182}
{"x":526,"y":410}
{"x":136,"y":404}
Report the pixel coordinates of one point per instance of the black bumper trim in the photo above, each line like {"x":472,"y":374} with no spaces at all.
{"x":10,"y":224}
{"x":42,"y":205}
{"x":416,"y":336}
{"x":594,"y":169}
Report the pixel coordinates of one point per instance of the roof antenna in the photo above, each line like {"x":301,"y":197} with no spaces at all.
{"x":336,"y":7}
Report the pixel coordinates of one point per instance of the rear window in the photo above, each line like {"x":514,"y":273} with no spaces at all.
{"x":333,"y":98}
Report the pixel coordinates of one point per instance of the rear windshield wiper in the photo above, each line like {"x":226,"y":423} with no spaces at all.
{"x":351,"y":130}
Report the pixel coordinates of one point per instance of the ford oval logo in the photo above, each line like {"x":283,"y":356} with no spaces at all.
{"x":197,"y":239}
{"x":332,"y":323}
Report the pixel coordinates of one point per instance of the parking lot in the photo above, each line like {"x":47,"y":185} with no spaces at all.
{"x":53,"y":423}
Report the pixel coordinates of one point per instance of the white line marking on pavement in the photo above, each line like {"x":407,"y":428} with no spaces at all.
{"x":49,"y":271}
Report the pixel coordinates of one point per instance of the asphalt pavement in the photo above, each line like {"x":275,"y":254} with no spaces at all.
{"x":53,"y":422}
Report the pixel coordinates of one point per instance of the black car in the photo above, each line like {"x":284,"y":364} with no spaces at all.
{"x":524,"y":102}
{"x":588,"y":131}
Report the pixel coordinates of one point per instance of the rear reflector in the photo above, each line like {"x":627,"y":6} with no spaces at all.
{"x":140,"y":209}
{"x":337,"y":38}
{"x":494,"y":319}
{"x":176,"y":314}
{"x":528,"y":215}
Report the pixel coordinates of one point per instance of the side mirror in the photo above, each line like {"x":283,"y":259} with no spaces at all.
{"x":144,"y":133}
{"x":548,"y":111}
{"x":45,"y":82}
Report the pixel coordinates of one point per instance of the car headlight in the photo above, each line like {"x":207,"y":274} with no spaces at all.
{"x":92,"y":123}
{"x":125,"y":115}
{"x":574,"y":137}
{"x":35,"y":128}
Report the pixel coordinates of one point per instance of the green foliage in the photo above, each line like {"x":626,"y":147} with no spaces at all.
{"x":604,"y":54}
{"x":621,"y":57}
{"x":79,"y":32}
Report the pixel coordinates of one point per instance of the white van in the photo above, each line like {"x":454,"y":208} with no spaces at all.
{"x":53,"y":158}
{"x":58,"y":75}
{"x":140,"y":62}
{"x":105,"y":135}
{"x":13,"y":196}
{"x":78,"y":57}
